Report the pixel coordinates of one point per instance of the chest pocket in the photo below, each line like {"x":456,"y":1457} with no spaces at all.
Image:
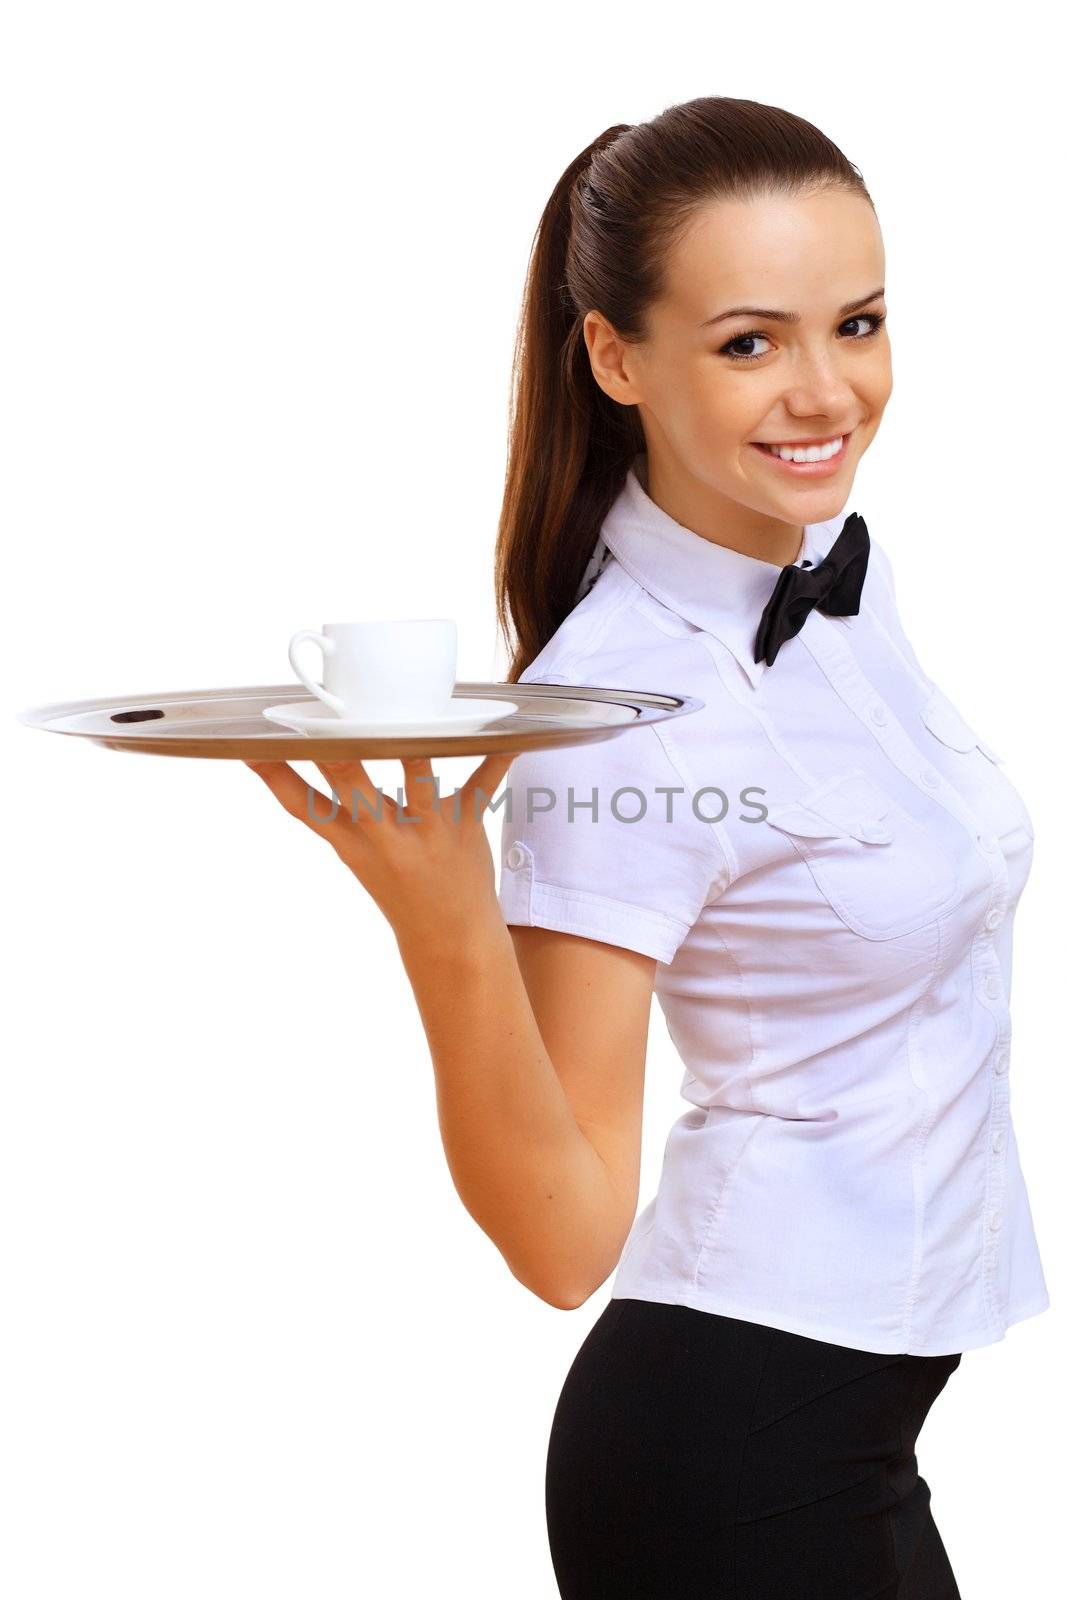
{"x":994,"y":794}
{"x":880,"y":870}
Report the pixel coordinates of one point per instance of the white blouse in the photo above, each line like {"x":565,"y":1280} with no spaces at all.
{"x":825,"y":861}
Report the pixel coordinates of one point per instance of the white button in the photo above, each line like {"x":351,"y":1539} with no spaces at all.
{"x":879,"y":714}
{"x":993,"y":918}
{"x":930,"y":777}
{"x":515,"y":856}
{"x":1000,"y":1141}
{"x":875,"y":832}
{"x":992,"y":987}
{"x":994,"y":1220}
{"x":1001,"y":1063}
{"x":988,"y":841}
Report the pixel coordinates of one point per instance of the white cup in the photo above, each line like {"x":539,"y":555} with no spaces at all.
{"x":400,"y":671}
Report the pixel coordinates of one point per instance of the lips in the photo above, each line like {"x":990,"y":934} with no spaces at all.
{"x":801,"y":444}
{"x":807,"y":469}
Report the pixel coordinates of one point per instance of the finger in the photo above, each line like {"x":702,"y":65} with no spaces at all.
{"x":422,"y":790}
{"x":486,"y":778}
{"x":300,"y":798}
{"x":348,"y":778}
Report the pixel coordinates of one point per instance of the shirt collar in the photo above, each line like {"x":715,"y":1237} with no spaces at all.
{"x":719,"y":589}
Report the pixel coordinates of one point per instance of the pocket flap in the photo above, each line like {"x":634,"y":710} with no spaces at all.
{"x":946,"y":724}
{"x":848,"y":804}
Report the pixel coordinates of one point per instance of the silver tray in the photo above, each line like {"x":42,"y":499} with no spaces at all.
{"x":228,"y":725}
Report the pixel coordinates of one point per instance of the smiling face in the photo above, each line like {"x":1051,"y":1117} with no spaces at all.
{"x":711,"y":388}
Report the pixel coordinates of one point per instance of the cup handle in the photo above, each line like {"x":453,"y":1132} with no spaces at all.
{"x":327,"y":647}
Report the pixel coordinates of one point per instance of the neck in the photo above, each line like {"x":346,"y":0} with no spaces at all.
{"x":716,"y":517}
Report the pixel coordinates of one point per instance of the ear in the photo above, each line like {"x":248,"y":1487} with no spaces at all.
{"x":612,"y":360}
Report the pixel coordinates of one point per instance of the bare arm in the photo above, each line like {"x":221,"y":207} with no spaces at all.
{"x":538,"y":1042}
{"x":538,"y":1038}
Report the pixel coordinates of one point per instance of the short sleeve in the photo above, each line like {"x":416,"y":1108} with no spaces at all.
{"x":604,"y":840}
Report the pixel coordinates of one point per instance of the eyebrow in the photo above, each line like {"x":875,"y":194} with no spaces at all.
{"x":789,"y":316}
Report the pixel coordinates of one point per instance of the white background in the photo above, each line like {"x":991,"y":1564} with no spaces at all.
{"x":261,"y":269}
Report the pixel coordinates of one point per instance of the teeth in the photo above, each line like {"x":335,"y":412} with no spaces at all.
{"x":814,"y":452}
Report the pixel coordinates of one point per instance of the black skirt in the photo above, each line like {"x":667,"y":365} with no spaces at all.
{"x":697,"y":1455}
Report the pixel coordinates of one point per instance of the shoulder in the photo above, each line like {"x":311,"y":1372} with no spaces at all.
{"x":881,"y":568}
{"x":603,"y":838}
{"x":619,"y":636}
{"x":880,"y":601}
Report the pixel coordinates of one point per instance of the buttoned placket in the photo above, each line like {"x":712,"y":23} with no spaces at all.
{"x":824,"y":639}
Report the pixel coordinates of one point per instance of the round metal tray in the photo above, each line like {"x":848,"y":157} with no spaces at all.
{"x":228,"y":724}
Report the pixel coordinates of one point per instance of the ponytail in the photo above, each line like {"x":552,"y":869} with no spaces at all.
{"x":569,"y":444}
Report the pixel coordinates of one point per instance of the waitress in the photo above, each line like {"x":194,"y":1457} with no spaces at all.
{"x":816,"y":874}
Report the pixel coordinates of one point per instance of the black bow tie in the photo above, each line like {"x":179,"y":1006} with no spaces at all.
{"x":834,"y":587}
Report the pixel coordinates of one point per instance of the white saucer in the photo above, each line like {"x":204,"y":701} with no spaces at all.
{"x":314,"y":716}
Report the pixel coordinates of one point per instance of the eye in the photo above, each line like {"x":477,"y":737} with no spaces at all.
{"x":876,"y":319}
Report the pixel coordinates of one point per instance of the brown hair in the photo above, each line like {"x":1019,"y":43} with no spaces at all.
{"x":602,"y":244}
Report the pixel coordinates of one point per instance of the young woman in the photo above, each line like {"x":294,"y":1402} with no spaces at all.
{"x":816,"y":874}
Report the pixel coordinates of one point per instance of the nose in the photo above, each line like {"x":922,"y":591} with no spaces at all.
{"x":819,"y":386}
